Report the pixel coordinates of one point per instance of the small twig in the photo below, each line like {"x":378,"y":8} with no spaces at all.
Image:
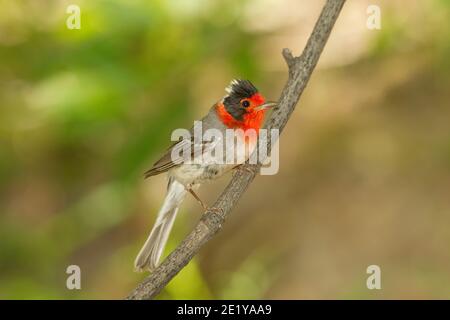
{"x":289,"y":58}
{"x":300,"y":70}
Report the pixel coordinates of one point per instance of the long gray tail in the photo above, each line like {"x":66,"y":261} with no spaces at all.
{"x":148,"y":257}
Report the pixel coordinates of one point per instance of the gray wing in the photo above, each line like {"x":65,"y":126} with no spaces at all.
{"x":166,"y":162}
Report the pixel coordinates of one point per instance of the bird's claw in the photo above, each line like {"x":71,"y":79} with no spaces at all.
{"x":246,"y":169}
{"x":215,"y":210}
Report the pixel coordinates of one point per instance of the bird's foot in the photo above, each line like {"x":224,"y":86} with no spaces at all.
{"x":245,"y":168}
{"x":215,"y":210}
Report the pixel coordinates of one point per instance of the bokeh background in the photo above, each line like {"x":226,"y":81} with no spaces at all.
{"x":365,"y":159}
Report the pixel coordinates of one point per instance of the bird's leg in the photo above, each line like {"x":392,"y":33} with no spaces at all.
{"x":204,"y":206}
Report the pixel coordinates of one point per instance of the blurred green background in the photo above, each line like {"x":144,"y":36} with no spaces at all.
{"x":365,"y":159}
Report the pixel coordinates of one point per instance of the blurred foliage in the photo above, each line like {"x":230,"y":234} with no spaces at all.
{"x":84,"y":112}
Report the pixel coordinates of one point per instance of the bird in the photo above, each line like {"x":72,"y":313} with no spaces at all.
{"x":241,"y":110}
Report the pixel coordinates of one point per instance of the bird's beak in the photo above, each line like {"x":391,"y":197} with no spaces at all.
{"x":266,"y":105}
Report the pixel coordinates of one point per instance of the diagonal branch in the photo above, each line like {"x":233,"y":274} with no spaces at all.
{"x":300,"y":70}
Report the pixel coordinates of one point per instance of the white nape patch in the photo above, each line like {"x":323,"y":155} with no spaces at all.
{"x":233,"y":82}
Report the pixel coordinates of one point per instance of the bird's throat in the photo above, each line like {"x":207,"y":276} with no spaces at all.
{"x":251,"y":120}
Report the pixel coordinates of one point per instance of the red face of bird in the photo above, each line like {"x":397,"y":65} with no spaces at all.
{"x":243,"y":101}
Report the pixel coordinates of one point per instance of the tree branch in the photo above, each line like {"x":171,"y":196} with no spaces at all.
{"x":300,"y":70}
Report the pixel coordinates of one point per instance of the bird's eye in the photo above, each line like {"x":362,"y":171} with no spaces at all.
{"x":245,"y":103}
